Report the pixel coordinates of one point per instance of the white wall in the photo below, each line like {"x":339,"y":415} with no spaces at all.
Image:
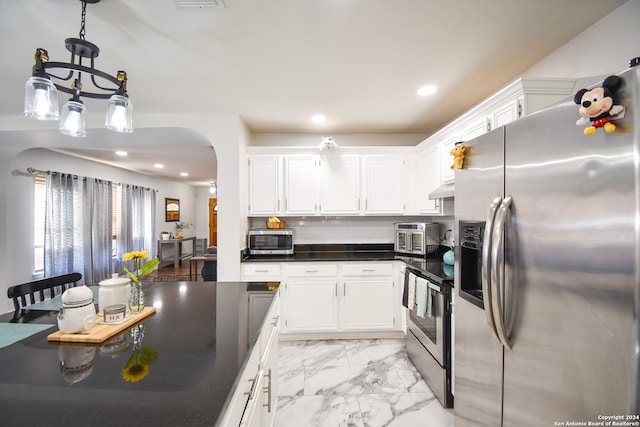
{"x":604,"y":48}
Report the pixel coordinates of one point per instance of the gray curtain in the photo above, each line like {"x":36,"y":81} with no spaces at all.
{"x":136,"y":222}
{"x":78,"y":227}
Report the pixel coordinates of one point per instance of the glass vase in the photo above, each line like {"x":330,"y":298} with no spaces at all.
{"x":136,"y":301}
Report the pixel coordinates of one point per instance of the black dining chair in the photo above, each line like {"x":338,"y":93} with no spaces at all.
{"x":210,"y":267}
{"x":38,"y":289}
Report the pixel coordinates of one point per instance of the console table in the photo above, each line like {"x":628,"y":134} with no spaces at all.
{"x":178,"y":252}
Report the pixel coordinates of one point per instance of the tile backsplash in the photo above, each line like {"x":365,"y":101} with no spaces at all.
{"x":319,"y":230}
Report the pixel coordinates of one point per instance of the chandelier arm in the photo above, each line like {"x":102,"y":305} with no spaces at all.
{"x":83,"y":69}
{"x":119,"y":91}
{"x":69,"y":76}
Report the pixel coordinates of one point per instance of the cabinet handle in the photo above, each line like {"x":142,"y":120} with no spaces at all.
{"x":275,"y":322}
{"x":261,"y":271}
{"x":336,"y":288}
{"x":253,"y":383}
{"x":267,"y":390}
{"x":368,"y":270}
{"x":311,"y":271}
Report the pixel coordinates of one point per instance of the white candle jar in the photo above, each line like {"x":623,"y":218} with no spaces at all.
{"x":114,"y":291}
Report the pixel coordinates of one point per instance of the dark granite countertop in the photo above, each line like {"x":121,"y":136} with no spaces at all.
{"x":200,"y":332}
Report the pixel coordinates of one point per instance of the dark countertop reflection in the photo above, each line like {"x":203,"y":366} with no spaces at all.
{"x":201,"y":332}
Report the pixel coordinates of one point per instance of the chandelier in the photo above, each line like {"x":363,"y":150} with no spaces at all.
{"x":41,"y":94}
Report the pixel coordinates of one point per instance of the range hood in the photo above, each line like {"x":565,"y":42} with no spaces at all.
{"x":445,"y":191}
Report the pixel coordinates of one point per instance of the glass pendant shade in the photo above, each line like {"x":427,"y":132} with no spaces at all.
{"x":119,"y":114}
{"x":73,"y":120}
{"x":41,"y":99}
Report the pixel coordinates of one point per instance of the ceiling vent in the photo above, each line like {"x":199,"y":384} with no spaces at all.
{"x":217,"y":4}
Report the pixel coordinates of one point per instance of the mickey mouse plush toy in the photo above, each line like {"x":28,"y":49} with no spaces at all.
{"x":597,"y":106}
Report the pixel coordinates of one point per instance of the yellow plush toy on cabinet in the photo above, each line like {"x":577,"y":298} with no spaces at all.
{"x":458,"y":153}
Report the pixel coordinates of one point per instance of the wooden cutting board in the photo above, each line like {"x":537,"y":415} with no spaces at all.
{"x":100,"y":332}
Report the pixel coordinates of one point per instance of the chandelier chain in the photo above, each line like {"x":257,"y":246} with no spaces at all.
{"x":84,"y":15}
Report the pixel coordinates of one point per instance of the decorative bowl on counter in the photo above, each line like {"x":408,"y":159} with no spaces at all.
{"x":280,"y":224}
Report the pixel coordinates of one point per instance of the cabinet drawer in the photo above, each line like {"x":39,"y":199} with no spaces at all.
{"x":312,"y":270}
{"x":261,"y":270}
{"x":359,"y":269}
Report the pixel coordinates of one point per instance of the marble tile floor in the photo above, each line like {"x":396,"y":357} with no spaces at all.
{"x":353,"y":383}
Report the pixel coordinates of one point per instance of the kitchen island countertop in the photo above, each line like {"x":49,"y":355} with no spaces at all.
{"x":201,"y":335}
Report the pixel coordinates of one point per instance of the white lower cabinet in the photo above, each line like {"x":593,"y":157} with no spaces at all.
{"x":343,"y":297}
{"x":367,"y":304}
{"x":368,"y":298}
{"x":310,"y":297}
{"x":253,"y":403}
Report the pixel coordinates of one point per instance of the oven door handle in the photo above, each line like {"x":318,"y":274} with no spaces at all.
{"x":487,"y":264}
{"x":497,"y":273}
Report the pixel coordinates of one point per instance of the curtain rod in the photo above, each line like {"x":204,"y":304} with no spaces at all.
{"x":35,"y":172}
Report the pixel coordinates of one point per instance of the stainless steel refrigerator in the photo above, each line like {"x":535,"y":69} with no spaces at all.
{"x":548,"y":269}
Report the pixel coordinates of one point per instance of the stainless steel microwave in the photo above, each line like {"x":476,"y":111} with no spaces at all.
{"x":416,"y":238}
{"x":266,"y":241}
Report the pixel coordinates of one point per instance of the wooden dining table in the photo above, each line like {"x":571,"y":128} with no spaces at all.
{"x":201,"y":334}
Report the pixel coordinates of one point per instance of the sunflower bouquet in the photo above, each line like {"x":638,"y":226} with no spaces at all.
{"x":137,"y":257}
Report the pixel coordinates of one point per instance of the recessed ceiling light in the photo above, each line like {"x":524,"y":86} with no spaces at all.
{"x":121,"y":153}
{"x":318,"y":118}
{"x":427,"y":90}
{"x":158,"y":166}
{"x":184,"y":174}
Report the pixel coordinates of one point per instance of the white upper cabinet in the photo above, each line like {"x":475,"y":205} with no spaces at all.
{"x":428,"y":180}
{"x":300,"y":184}
{"x":339,"y":182}
{"x":447,"y":174}
{"x":476,"y":128}
{"x":384,"y":184}
{"x":505,"y":114}
{"x":265,"y":186}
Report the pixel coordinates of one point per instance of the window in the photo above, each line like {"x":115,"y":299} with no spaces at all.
{"x":39,"y":215}
{"x":38,"y":221}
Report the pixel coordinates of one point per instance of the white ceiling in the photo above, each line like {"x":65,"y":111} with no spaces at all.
{"x":275,"y":63}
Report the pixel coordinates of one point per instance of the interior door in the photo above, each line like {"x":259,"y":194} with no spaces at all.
{"x":213,"y":222}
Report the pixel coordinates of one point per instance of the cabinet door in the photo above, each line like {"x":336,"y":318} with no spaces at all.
{"x":300,"y":185}
{"x":311,"y":305}
{"x":384,"y":181}
{"x":269,"y":364}
{"x":428,"y":180}
{"x":475,"y":129}
{"x":447,"y":174}
{"x":252,"y":416}
{"x":505,"y":114}
{"x":340,"y":185}
{"x":236,"y":412}
{"x":368,"y":304}
{"x":264,"y":185}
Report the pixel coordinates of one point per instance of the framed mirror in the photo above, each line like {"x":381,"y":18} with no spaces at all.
{"x":172,"y":210}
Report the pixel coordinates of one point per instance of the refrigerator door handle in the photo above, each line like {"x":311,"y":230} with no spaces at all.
{"x":497,"y":272}
{"x":486,"y":263}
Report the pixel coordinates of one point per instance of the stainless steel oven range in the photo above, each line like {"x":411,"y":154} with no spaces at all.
{"x":428,"y":300}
